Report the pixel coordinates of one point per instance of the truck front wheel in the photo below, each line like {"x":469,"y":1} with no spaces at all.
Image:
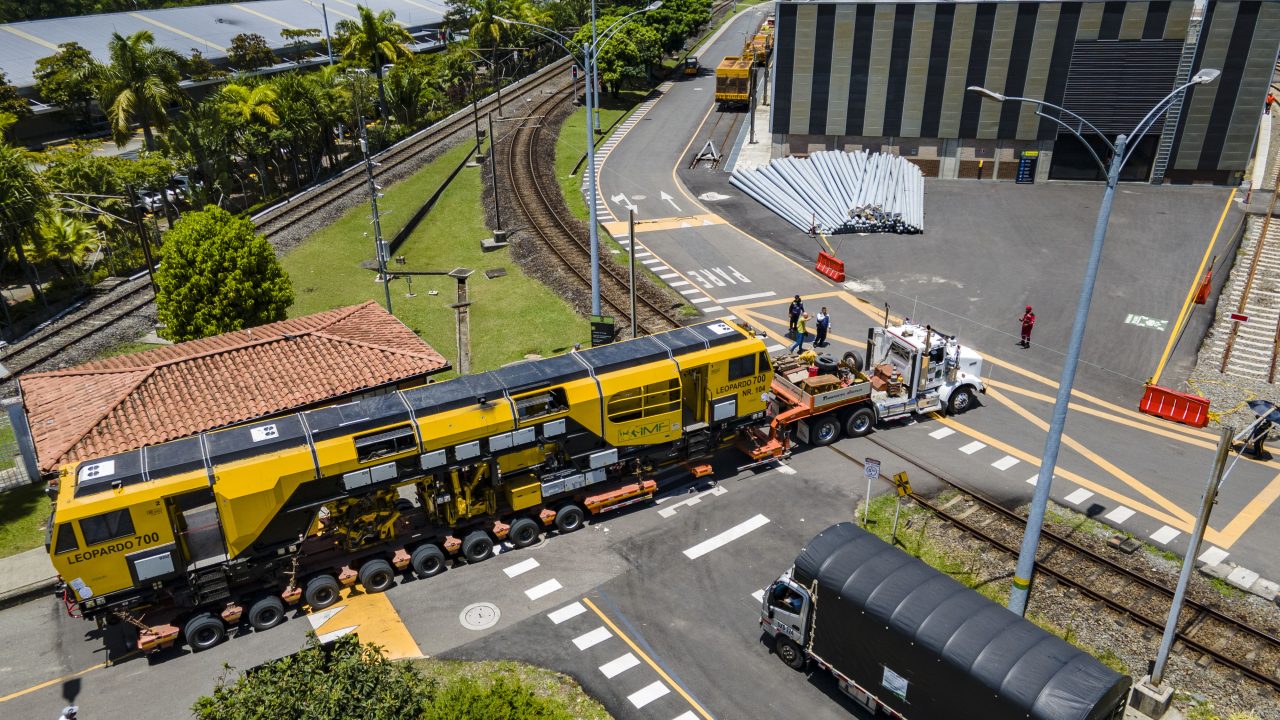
{"x":790,"y":653}
{"x":861,"y":422}
{"x":322,"y":591}
{"x":477,"y":547}
{"x":204,"y":631}
{"x":961,"y":400}
{"x":569,"y":518}
{"x":377,"y":576}
{"x":427,"y":561}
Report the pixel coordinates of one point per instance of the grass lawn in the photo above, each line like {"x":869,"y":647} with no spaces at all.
{"x":6,"y":441}
{"x":23,"y":514}
{"x":572,"y":144}
{"x":561,"y":689}
{"x":126,"y":348}
{"x":511,"y":316}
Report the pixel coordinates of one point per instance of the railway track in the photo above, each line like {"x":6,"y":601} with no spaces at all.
{"x":1252,"y":652}
{"x":1249,"y":349}
{"x":103,"y":310}
{"x":560,"y":233}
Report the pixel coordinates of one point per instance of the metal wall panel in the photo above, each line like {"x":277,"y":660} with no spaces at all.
{"x":784,"y":76}
{"x":1175,"y":27}
{"x":998,"y":69}
{"x":1220,"y":20}
{"x":1090,"y":20}
{"x":1134,"y":20}
{"x":957,"y":71}
{"x":1114,"y":84}
{"x":1038,"y":67}
{"x":1230,"y":86}
{"x":802,"y":67}
{"x":878,"y":72}
{"x":917,"y":70}
{"x":841,"y":63}
{"x":823,"y":47}
{"x":1253,"y":88}
{"x":899,"y":61}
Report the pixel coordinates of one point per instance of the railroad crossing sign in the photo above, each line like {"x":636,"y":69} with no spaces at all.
{"x":871,"y":468}
{"x":902,"y":483}
{"x":1237,"y":317}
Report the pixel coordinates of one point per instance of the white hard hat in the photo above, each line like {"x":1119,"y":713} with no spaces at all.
{"x":70,"y":710}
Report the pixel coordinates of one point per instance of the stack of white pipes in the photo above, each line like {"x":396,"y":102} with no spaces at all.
{"x":837,"y":192}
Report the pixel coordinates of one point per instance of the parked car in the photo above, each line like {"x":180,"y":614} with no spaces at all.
{"x":179,"y":189}
{"x":150,"y":200}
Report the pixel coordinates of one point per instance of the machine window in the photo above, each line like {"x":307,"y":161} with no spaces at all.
{"x":66,"y":541}
{"x":653,"y":399}
{"x":742,"y":367}
{"x":532,"y":407}
{"x":387,"y":442}
{"x":107,"y":526}
{"x":764,"y":361}
{"x":785,"y":598}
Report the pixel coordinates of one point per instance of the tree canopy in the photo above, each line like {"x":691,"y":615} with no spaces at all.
{"x":250,"y":51}
{"x":138,"y":85}
{"x":68,"y":78}
{"x":217,"y":275}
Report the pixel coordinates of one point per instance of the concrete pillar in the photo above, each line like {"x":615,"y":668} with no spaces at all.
{"x":1151,"y":701}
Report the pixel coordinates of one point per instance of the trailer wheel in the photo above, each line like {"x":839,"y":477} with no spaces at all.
{"x":789,"y":653}
{"x":860,"y":422}
{"x":824,"y":431}
{"x":853,"y":360}
{"x":569,"y":518}
{"x":322,"y":591}
{"x":377,"y":576}
{"x":427,"y":561}
{"x":523,"y":532}
{"x":477,"y":547}
{"x":961,"y":400}
{"x":203,"y":632}
{"x":266,"y":613}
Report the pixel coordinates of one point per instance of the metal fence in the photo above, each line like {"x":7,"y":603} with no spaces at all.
{"x":12,"y":473}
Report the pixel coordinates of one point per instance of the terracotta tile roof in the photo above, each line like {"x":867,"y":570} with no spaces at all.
{"x":113,"y":405}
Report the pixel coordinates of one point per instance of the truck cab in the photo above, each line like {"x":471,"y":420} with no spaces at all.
{"x":784,"y":616}
{"x":921,"y":370}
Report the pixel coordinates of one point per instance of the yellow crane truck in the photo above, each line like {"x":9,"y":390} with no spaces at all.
{"x":186,"y":538}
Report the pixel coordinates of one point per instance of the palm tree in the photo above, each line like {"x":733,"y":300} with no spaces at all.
{"x":201,"y":139}
{"x":139,"y":83}
{"x":22,"y":197}
{"x":252,"y":111}
{"x":378,"y":39}
{"x":62,"y":241}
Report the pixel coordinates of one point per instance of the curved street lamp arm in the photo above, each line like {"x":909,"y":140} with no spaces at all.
{"x":1059,"y":108}
{"x":1144,"y":125}
{"x":1083,"y":141}
{"x":535,"y":26}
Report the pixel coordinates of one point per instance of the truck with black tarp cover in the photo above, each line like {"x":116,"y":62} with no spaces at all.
{"x":901,"y":636}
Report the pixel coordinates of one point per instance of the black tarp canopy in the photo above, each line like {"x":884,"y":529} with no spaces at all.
{"x":930,"y":647}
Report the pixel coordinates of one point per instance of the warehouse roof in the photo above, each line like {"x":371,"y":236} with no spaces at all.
{"x":207,"y":28}
{"x":122,"y":403}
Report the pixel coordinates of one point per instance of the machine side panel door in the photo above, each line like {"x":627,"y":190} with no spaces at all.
{"x":788,"y":606}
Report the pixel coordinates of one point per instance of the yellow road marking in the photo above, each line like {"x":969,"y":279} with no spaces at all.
{"x":262,"y":15}
{"x":65,"y":678}
{"x":1096,"y":459}
{"x":636,"y":648}
{"x":376,"y":621}
{"x":29,"y":37}
{"x":174,"y":30}
{"x":1250,"y":513}
{"x":1195,"y":284}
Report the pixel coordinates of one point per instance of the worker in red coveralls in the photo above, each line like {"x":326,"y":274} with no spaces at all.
{"x":1271,"y":98}
{"x":1028,"y":322}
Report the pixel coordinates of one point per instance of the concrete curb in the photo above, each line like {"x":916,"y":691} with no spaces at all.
{"x":28,"y":592}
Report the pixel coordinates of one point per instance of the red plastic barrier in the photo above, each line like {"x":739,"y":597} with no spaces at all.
{"x":1172,"y":405}
{"x":830,"y":265}
{"x":1202,"y":296}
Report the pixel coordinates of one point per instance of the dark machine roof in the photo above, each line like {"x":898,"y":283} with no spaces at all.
{"x":1040,"y":674}
{"x":532,"y":374}
{"x":354,"y":417}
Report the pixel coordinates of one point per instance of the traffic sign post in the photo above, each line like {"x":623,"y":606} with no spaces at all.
{"x":870,"y":468}
{"x":903,"y":485}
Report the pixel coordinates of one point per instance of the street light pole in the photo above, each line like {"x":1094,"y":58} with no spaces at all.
{"x":380,"y":253}
{"x":1021,"y":586}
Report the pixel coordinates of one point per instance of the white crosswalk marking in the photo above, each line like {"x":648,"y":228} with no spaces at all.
{"x":758,"y":595}
{"x":972,"y":447}
{"x":711,"y":309}
{"x":595,"y":637}
{"x":1213,"y":555}
{"x":726,"y":537}
{"x":620,"y":665}
{"x":1164,"y":535}
{"x":1005,"y":462}
{"x":941,"y":433}
{"x":668,"y":276}
{"x":1078,"y":496}
{"x":648,"y":694}
{"x":686,"y":715}
{"x":521,"y":567}
{"x":543,"y":589}
{"x":1119,"y":515}
{"x":1033,"y":479}
{"x":571,"y":610}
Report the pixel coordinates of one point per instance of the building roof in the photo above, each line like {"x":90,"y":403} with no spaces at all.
{"x":207,"y":28}
{"x":122,"y":403}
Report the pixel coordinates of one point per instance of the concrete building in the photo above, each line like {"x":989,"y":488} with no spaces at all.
{"x":892,"y":76}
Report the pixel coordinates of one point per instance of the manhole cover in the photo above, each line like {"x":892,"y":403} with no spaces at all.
{"x":480,"y":616}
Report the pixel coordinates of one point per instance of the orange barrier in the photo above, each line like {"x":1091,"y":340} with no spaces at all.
{"x":830,"y":265}
{"x":1172,"y":405}
{"x":1202,"y":296}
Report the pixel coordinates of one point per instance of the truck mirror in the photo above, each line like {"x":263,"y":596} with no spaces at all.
{"x":770,"y":612}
